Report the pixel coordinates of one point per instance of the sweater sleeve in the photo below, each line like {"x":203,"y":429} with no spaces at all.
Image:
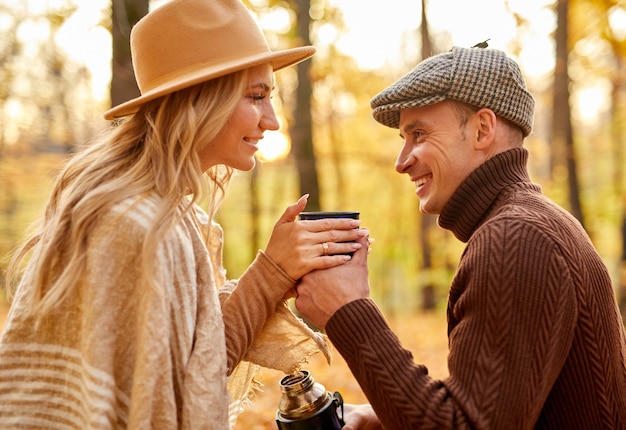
{"x":511,"y":314}
{"x":401,"y":392}
{"x":248,"y":303}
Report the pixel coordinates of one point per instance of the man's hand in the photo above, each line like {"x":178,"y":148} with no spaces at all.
{"x":322,"y":292}
{"x":360,"y":417}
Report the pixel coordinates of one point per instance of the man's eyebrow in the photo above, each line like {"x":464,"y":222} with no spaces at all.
{"x":410,"y":126}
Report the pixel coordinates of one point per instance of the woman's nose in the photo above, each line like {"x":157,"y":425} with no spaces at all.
{"x":269,"y":121}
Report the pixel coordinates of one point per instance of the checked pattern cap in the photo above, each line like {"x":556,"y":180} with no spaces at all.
{"x":484,"y":78}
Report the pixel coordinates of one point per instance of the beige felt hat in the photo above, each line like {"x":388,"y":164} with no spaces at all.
{"x":187,"y":42}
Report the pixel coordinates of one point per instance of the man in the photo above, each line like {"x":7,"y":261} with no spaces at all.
{"x":535,"y":336}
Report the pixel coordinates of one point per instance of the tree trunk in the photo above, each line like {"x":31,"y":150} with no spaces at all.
{"x":563,"y":151}
{"x":124,"y":14}
{"x":255,"y":212}
{"x":621,"y":286}
{"x":429,"y":300}
{"x":301,"y":130}
{"x":618,"y":134}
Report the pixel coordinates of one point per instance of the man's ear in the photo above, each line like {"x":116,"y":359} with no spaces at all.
{"x":485,"y":128}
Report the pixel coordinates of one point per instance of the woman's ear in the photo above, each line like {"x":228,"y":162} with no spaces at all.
{"x":486,"y":128}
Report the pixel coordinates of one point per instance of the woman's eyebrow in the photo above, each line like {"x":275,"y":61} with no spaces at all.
{"x":263,"y":86}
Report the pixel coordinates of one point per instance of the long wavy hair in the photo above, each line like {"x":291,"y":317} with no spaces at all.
{"x":153,"y":152}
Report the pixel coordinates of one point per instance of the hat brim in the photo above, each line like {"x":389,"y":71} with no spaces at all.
{"x":185,"y":79}
{"x":389,"y":114}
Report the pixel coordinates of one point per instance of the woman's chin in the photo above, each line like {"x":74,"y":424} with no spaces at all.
{"x":246,"y":166}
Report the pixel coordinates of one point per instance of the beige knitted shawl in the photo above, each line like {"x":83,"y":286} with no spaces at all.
{"x":119,"y":355}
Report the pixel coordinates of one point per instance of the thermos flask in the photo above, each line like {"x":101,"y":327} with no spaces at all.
{"x":306,"y":405}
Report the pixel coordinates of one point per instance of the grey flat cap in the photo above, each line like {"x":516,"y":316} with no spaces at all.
{"x":484,"y":78}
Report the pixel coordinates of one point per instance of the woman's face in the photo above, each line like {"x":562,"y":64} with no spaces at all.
{"x":236,"y":144}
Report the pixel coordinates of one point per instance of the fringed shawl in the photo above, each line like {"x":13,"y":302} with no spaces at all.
{"x":120,"y":354}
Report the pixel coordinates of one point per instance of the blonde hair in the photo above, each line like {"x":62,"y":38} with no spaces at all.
{"x":153,"y":152}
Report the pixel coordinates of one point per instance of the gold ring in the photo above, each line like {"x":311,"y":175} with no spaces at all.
{"x":324,"y":248}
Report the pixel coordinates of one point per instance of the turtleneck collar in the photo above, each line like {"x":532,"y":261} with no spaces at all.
{"x":474,"y":197}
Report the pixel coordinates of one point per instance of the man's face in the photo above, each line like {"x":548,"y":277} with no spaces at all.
{"x":437,"y":153}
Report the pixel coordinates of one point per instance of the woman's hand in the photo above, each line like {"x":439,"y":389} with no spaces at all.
{"x":321,"y":293}
{"x":360,"y":417}
{"x":303,"y":246}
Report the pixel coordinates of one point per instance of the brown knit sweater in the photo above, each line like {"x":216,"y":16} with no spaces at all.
{"x":535,"y":336}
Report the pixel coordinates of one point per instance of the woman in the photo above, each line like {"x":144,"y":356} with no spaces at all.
{"x":122,"y":317}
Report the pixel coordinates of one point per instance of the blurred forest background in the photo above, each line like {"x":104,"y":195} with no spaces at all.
{"x":329,"y":146}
